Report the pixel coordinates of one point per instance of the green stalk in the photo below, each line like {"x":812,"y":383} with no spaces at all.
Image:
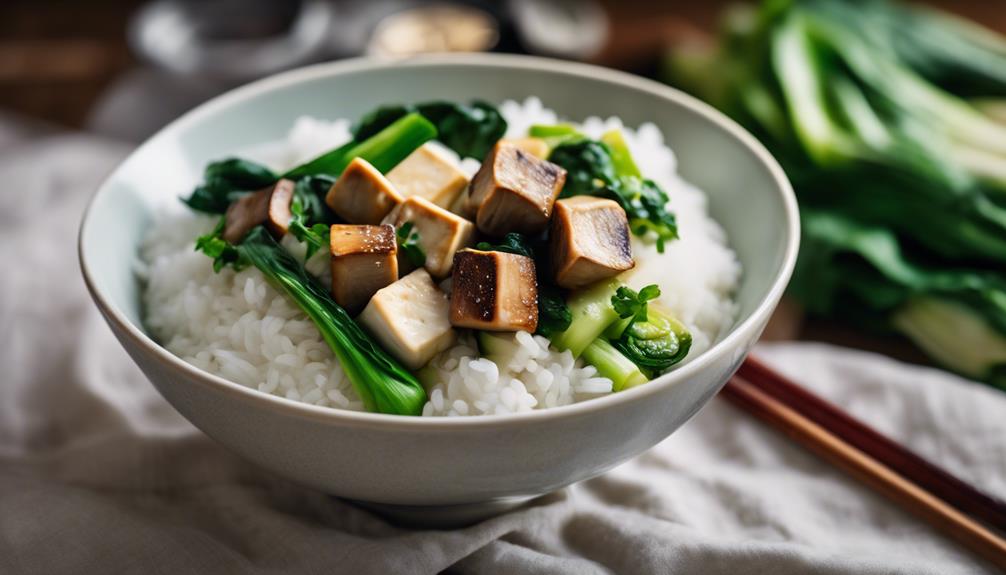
{"x":383,"y":384}
{"x":799,"y":75}
{"x":592,"y":314}
{"x":610,"y":363}
{"x":621,"y":157}
{"x":384,"y":149}
{"x":556,"y":135}
{"x":953,"y":334}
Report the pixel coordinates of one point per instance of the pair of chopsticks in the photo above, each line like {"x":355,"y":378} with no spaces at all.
{"x":948,"y":503}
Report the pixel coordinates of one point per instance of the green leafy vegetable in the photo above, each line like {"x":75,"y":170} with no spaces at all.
{"x":384,"y":149}
{"x":629,"y":303}
{"x":513,"y":243}
{"x":471,"y":131}
{"x":901,"y":178}
{"x":655,"y":343}
{"x":408,"y":241}
{"x":554,"y":316}
{"x":652,"y":340}
{"x":591,"y":170}
{"x":383,"y":384}
{"x":218,"y":249}
{"x":316,"y":236}
{"x":226,"y":181}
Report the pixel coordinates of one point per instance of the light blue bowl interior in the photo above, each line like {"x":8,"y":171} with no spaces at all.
{"x":744,"y":194}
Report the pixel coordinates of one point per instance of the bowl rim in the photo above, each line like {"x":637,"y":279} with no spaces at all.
{"x":744,"y":331}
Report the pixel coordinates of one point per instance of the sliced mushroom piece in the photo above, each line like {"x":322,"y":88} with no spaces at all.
{"x":537,"y":147}
{"x":410,"y":319}
{"x":514,"y":191}
{"x":364,"y":260}
{"x":269,"y":206}
{"x":494,"y":291}
{"x":426,"y":173}
{"x":441,"y":233}
{"x":362,"y":195}
{"x":589,"y":241}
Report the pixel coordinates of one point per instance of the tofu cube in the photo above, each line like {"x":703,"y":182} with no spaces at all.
{"x":426,"y":173}
{"x":514,"y":191}
{"x":494,"y":291}
{"x":364,"y":260}
{"x":589,"y":241}
{"x":362,"y":195}
{"x":441,"y":233}
{"x":410,"y":319}
{"x":269,"y":206}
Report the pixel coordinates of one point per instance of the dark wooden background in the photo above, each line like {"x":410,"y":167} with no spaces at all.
{"x":57,"y":57}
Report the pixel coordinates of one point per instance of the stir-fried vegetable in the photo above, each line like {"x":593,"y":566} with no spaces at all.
{"x":591,"y":313}
{"x":227,"y":180}
{"x":469,"y":130}
{"x":408,"y":241}
{"x":606,"y":169}
{"x":383,"y":384}
{"x":614,"y":326}
{"x":383,"y":149}
{"x":650,"y":338}
{"x":863,"y":103}
{"x":612,"y":364}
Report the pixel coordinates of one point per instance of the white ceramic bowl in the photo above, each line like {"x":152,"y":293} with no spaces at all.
{"x":470,"y":462}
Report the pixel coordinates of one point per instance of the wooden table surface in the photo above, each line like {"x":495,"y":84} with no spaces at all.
{"x":58,"y":56}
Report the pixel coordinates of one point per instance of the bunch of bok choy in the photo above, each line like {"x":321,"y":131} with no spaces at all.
{"x":888,"y":120}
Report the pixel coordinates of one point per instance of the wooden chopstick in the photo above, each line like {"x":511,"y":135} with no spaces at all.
{"x":881,"y":477}
{"x":887,"y":481}
{"x":932,"y":478}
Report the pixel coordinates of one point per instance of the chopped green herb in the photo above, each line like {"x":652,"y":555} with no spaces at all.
{"x":408,"y":241}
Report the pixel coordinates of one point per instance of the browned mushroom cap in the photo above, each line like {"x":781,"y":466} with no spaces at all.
{"x":269,"y":206}
{"x":362,"y":195}
{"x":589,"y":241}
{"x":441,"y":233}
{"x":363,"y":261}
{"x":514,"y":191}
{"x":494,"y":291}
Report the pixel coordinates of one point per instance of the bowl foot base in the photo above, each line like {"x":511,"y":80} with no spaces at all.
{"x":442,"y":516}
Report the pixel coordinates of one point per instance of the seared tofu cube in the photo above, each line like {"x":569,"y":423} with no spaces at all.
{"x":426,"y":173}
{"x":589,"y":241}
{"x":514,"y":191}
{"x":269,"y":206}
{"x":362,"y":195}
{"x":441,"y":233}
{"x":537,"y":147}
{"x":494,"y":291}
{"x":410,"y":319}
{"x":364,"y":260}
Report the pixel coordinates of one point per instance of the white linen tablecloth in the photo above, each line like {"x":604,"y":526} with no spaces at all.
{"x":98,"y":474}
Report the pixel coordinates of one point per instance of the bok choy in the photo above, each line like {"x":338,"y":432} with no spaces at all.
{"x":884,"y":117}
{"x":380,"y":380}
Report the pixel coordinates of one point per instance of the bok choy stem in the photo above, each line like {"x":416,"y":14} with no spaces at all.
{"x":383,"y":384}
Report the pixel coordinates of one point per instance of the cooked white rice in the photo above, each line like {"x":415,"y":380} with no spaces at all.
{"x":236,"y":325}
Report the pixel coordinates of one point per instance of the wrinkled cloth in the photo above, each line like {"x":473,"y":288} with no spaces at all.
{"x":98,"y":474}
